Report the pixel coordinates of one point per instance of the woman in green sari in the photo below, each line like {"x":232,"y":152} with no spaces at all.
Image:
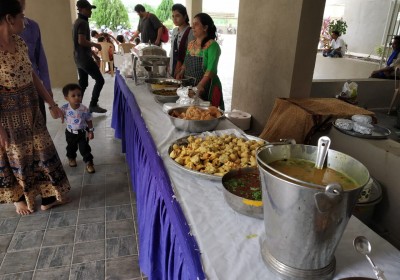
{"x":201,"y":61}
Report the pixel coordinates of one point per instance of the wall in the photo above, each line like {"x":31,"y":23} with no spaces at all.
{"x":54,"y":19}
{"x":275,"y":53}
{"x":366,"y":21}
{"x":372,"y":93}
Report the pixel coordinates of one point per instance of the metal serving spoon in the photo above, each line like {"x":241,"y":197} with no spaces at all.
{"x":362,"y":245}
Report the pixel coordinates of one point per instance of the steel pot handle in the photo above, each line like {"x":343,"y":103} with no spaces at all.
{"x":330,"y":198}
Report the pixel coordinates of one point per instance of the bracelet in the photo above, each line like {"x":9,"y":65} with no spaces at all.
{"x":90,"y":129}
{"x":52,"y":106}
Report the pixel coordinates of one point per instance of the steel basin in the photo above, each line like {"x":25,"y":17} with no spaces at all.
{"x":196,"y":126}
{"x":248,"y":207}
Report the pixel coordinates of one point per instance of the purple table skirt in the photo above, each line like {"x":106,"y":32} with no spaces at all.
{"x":167,"y":250}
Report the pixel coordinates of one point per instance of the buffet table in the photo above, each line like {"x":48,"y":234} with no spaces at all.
{"x":186,"y":229}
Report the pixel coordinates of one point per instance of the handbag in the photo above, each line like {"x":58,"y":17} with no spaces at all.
{"x":165,"y":35}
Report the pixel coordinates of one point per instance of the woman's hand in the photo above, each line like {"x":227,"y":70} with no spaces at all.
{"x":56,"y":113}
{"x":3,"y":137}
{"x":200,"y":89}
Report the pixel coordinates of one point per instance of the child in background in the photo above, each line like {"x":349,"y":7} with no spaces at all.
{"x":79,"y":121}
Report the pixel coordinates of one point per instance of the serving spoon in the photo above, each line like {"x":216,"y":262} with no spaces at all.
{"x":363,"y":246}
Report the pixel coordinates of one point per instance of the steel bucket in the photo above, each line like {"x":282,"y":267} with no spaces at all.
{"x":304,"y":222}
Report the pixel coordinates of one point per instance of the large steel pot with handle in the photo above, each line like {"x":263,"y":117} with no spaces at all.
{"x":304,"y":222}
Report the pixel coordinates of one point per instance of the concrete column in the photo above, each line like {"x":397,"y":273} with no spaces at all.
{"x":194,"y":7}
{"x":55,"y":21}
{"x":275,"y":53}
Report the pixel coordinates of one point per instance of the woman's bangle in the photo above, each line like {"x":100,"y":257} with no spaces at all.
{"x":52,"y":106}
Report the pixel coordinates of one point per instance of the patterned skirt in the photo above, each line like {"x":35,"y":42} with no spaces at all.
{"x":30,"y":165}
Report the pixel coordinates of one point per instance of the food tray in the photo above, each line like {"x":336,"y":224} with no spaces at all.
{"x":378,"y":132}
{"x":165,"y":98}
{"x":183,"y":141}
{"x":194,"y":126}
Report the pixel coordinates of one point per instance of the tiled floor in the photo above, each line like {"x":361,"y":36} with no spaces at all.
{"x":94,"y":236}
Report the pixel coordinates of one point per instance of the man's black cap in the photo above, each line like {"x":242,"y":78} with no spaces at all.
{"x":84,"y":4}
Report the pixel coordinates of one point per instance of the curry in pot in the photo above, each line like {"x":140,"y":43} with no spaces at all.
{"x":304,"y":170}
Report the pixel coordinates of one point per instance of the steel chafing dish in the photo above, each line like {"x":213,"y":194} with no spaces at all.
{"x":153,"y":58}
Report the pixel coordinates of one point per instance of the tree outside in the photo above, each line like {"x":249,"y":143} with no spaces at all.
{"x":110,"y":13}
{"x":163,"y":11}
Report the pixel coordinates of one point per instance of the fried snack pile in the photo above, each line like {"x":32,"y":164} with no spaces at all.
{"x":196,"y":113}
{"x":216,"y":154}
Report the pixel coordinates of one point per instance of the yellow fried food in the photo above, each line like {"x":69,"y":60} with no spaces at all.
{"x":196,"y":113}
{"x":216,"y":155}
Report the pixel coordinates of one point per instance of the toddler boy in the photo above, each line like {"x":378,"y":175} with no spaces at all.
{"x":79,"y":121}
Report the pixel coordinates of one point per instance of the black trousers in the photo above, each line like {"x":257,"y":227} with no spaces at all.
{"x":86,"y":67}
{"x":75,"y":141}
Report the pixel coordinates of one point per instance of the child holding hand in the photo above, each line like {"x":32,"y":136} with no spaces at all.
{"x":79,"y":127}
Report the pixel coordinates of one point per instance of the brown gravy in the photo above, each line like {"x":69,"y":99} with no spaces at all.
{"x":304,"y":170}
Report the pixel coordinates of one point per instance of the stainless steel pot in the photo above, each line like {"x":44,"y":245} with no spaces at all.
{"x":304,"y":222}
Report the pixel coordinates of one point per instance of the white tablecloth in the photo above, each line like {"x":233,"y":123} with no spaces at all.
{"x":230,"y":242}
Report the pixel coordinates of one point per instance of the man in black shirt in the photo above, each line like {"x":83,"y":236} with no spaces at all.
{"x":83,"y":55}
{"x":149,"y":27}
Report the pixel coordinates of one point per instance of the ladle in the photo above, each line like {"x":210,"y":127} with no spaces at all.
{"x":363,"y":246}
{"x":323,"y":146}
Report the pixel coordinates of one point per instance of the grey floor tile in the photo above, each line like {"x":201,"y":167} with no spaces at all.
{"x":32,"y":222}
{"x":90,"y":232}
{"x":18,"y":276}
{"x":111,"y":168}
{"x":90,"y":216}
{"x":124,"y":268}
{"x":119,"y":228}
{"x":56,"y":273}
{"x":88,"y":271}
{"x":74,"y":171}
{"x":26,"y":240}
{"x":117,"y":198}
{"x":117,"y":179}
{"x":59,"y":236}
{"x":75,"y":181}
{"x":8,"y":225}
{"x":88,"y":251}
{"x":5,"y":242}
{"x":19,"y":261}
{"x":63,"y":219}
{"x":121,"y":212}
{"x":94,"y":178}
{"x":8,"y":211}
{"x":55,"y":256}
{"x":2,"y":257}
{"x":93,"y":196}
{"x":75,"y":196}
{"x":121,"y":246}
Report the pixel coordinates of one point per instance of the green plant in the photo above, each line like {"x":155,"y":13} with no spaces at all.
{"x":338,"y":25}
{"x":379,"y":50}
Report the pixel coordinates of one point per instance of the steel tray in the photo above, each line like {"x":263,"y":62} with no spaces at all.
{"x":183,"y":141}
{"x":378,"y":132}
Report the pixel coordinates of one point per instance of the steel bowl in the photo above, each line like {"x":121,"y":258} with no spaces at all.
{"x":248,"y":207}
{"x":165,"y":98}
{"x":193,"y":125}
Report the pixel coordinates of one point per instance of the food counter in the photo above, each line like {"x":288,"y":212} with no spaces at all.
{"x":186,"y":229}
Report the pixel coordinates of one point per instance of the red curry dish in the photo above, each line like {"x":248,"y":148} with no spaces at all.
{"x":245,"y":184}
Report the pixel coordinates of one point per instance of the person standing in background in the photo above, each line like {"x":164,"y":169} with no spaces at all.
{"x":149,"y":27}
{"x":83,"y":55}
{"x":37,"y":56}
{"x":181,"y":35}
